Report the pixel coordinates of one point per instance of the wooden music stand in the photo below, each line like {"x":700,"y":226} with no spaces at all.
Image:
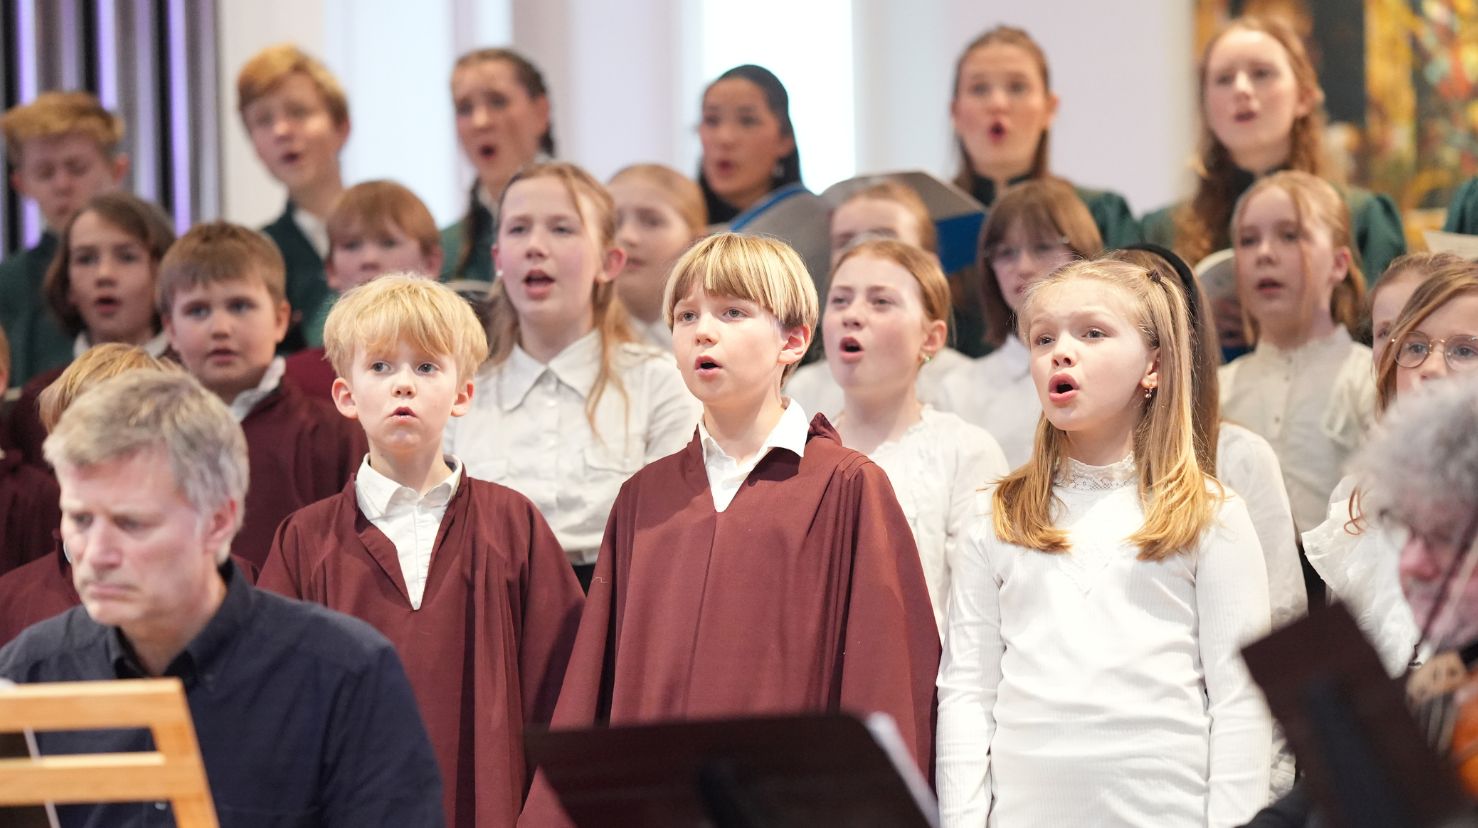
{"x":173,"y":771}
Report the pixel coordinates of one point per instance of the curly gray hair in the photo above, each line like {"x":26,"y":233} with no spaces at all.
{"x":1426,"y":447}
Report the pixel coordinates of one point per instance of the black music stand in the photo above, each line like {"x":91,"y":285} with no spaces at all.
{"x":771,"y":772}
{"x":1361,"y":754}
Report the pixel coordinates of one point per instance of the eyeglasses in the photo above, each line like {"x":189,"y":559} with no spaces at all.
{"x":1007,"y":255}
{"x":1461,"y":352}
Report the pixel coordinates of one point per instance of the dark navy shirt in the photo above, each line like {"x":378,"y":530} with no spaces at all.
{"x":304,"y":716}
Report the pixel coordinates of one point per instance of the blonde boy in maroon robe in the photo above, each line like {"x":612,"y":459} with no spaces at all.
{"x":462,"y":575}
{"x":765,"y":568}
{"x":221,"y":297}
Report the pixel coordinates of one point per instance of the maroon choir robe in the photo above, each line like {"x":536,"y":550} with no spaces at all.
{"x":26,"y":432}
{"x":806,"y":595}
{"x":301,"y":450}
{"x":43,"y":588}
{"x":29,"y":512}
{"x":310,"y":371}
{"x":487,"y":649}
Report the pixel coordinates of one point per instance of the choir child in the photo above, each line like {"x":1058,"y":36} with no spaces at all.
{"x":1306,"y":386}
{"x":297,"y":117}
{"x":62,"y":148}
{"x":569,"y":406}
{"x":887,"y":311}
{"x":221,"y":298}
{"x":101,"y":289}
{"x":43,"y":587}
{"x":659,"y":214}
{"x":375,"y":227}
{"x":1037,"y":227}
{"x":503,"y":125}
{"x":1390,"y":293}
{"x":764,"y":568}
{"x":892,"y":210}
{"x":1262,"y":111}
{"x":1100,"y":603}
{"x":28,"y":500}
{"x":463,"y":576}
{"x":1434,"y":336}
{"x":1002,"y":109}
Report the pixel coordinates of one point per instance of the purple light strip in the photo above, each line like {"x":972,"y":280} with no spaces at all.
{"x":179,"y":115}
{"x":26,"y":80}
{"x":107,"y":46}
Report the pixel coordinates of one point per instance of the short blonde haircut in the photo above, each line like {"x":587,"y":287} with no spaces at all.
{"x":55,"y":114}
{"x":404,"y":307}
{"x":98,"y":363}
{"x":1179,"y":499}
{"x":216,"y":252}
{"x":167,"y":411}
{"x":268,"y":68}
{"x":757,"y":269}
{"x":373,"y":206}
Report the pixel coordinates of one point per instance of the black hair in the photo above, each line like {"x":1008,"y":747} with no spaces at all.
{"x":778,"y":102}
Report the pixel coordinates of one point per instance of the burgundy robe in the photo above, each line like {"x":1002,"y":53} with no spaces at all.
{"x":310,"y":372}
{"x":301,"y":450}
{"x":29,"y":512}
{"x":26,"y":431}
{"x":805,"y":595}
{"x":43,"y":588}
{"x":487,"y":649}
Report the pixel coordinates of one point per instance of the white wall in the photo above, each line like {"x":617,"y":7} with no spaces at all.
{"x":626,"y":79}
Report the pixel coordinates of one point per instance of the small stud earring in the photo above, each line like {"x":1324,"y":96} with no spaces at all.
{"x":925,"y":357}
{"x":1149,"y":392}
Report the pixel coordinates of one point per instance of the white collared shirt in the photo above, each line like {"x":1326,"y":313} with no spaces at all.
{"x":409,"y":520}
{"x":726,"y":475}
{"x":155,"y":347}
{"x":815,"y":388}
{"x":314,"y":230}
{"x":248,"y":399}
{"x":996,"y":393}
{"x":527,"y":430}
{"x":1312,"y":404}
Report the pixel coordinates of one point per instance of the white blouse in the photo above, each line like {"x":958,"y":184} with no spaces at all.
{"x":1362,"y":569}
{"x":1092,"y":688}
{"x":1313,"y":404}
{"x":408,"y":519}
{"x":936,"y":468}
{"x":996,"y":393}
{"x":1246,"y":464}
{"x":527,"y":430}
{"x":813,"y":386}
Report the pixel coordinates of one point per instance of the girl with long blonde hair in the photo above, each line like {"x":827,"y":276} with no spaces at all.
{"x":1107,"y":590}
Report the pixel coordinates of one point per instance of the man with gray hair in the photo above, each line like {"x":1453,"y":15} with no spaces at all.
{"x":304,"y":716}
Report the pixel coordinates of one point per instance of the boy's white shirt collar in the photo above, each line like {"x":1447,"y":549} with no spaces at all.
{"x":576,"y":366}
{"x":248,"y":399}
{"x":314,"y":230}
{"x":155,"y":347}
{"x":374,"y":491}
{"x":725,"y":475}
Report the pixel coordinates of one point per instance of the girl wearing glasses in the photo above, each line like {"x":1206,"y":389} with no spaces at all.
{"x":1306,"y":387}
{"x":1037,"y":227}
{"x":1434,"y":336}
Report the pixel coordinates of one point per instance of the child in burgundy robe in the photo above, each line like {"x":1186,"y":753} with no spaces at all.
{"x":222,"y":301}
{"x":28,"y":498}
{"x":462,"y":575}
{"x":765,"y":568}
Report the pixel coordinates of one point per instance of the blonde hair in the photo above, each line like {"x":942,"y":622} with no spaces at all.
{"x":757,"y":269}
{"x":404,"y":307}
{"x":922,"y":266}
{"x":55,"y":114}
{"x":216,"y":252}
{"x":896,"y":192}
{"x":683,"y":194}
{"x":1202,"y":224}
{"x":1173,"y":488}
{"x":98,"y":363}
{"x":1047,"y":208}
{"x":373,"y":206}
{"x":156,"y":410}
{"x":1314,"y":199}
{"x":269,"y":68}
{"x":140,"y":220}
{"x":610,"y":315}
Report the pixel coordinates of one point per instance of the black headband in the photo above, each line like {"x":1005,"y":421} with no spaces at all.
{"x":1182,"y":270}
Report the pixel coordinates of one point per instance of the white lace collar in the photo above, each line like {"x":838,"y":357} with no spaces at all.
{"x":1072,"y":474}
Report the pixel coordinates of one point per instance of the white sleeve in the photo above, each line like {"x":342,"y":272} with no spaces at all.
{"x":980,"y":464}
{"x":1249,"y":467}
{"x":1232,"y":605}
{"x":969,"y":672}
